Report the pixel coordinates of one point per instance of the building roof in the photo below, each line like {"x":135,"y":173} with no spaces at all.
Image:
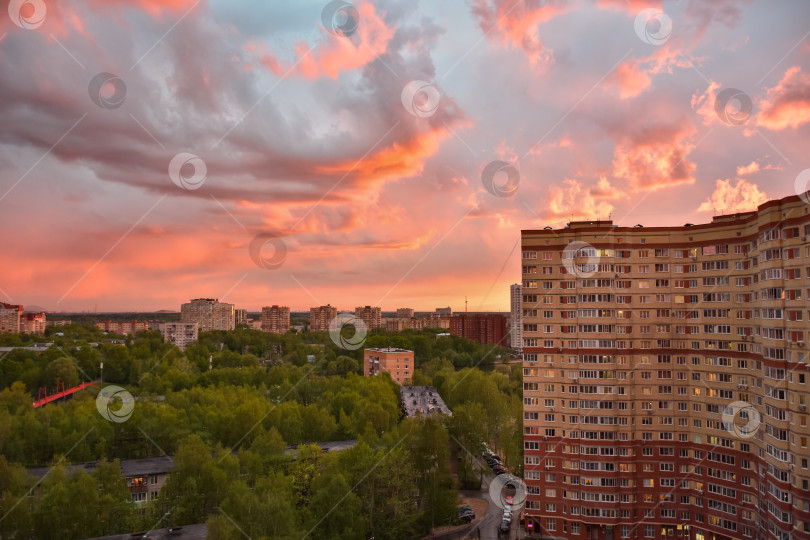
{"x":388,"y":350}
{"x":186,"y":532}
{"x":129,"y":467}
{"x":423,"y":400}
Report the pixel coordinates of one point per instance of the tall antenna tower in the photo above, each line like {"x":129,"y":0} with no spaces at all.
{"x":465,"y":304}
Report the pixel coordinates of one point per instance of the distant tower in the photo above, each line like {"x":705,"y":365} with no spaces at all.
{"x":465,"y":304}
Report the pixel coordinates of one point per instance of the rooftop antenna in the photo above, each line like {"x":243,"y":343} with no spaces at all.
{"x":465,"y":304}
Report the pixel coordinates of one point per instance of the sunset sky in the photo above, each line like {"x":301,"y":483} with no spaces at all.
{"x":306,"y":136}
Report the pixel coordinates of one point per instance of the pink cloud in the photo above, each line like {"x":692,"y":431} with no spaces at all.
{"x":334,"y":54}
{"x":656,"y":157}
{"x":728,"y":199}
{"x":788,"y":103}
{"x":634,"y":75}
{"x":515,"y":24}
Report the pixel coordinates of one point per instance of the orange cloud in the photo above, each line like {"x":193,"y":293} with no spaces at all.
{"x":334,"y":54}
{"x":402,"y":158}
{"x":604,"y":190}
{"x":515,"y":24}
{"x":703,"y":104}
{"x":748,"y":169}
{"x":656,"y":157}
{"x":574,"y":201}
{"x":728,"y":199}
{"x":630,"y":6}
{"x":788,"y":103}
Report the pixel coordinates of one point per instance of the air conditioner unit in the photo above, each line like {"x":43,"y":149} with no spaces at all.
{"x":802,"y":406}
{"x":804,"y":239}
{"x":800,"y":344}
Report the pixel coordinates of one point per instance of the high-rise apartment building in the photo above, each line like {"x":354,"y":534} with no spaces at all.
{"x":443,"y":312}
{"x":484,"y":329}
{"x":371,"y":316}
{"x":397,"y":324}
{"x":32,"y":323}
{"x":240,"y":316}
{"x":404,"y":313}
{"x":10,"y":317}
{"x":665,"y":376}
{"x":209,"y":314}
{"x":320,"y":317}
{"x":179,"y":333}
{"x":275,"y":319}
{"x":516,"y":319}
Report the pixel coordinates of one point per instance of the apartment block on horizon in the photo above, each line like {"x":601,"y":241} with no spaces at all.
{"x":275,"y":319}
{"x":122,"y":327}
{"x":10,"y":317}
{"x":484,"y":329}
{"x":516,"y":319}
{"x":404,"y":313}
{"x":397,"y":324}
{"x":180,"y":334}
{"x":665,"y":378}
{"x":443,"y":312}
{"x":240,"y":317}
{"x":320,"y":317}
{"x":371,"y":316}
{"x":398,"y":363}
{"x":421,"y":323}
{"x":32,"y":323}
{"x":209,"y":314}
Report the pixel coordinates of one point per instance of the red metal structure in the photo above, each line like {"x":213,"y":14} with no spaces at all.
{"x":43,"y":398}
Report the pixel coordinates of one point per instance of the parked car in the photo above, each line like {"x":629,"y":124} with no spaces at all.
{"x":505,"y":526}
{"x":508,"y":500}
{"x":466,"y":514}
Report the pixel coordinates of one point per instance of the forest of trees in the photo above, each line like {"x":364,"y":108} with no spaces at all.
{"x":228,"y":428}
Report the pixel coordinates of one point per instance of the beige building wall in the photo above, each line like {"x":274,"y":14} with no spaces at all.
{"x":665,"y":378}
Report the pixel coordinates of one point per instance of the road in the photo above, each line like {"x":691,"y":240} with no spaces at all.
{"x":492,"y":519}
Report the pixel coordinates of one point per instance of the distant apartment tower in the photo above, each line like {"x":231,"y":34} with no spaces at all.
{"x":665,"y":381}
{"x":180,"y":334}
{"x":275,"y":319}
{"x":123,"y":327}
{"x":371,"y":316}
{"x":240,"y":316}
{"x":404,"y":313}
{"x":320,"y":317}
{"x":443,"y":312}
{"x":209,"y":314}
{"x":32,"y":323}
{"x":516,"y":321}
{"x":10,"y":317}
{"x":484,"y":329}
{"x":396,"y":362}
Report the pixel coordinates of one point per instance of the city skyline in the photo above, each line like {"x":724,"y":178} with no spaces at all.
{"x":292,"y":159}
